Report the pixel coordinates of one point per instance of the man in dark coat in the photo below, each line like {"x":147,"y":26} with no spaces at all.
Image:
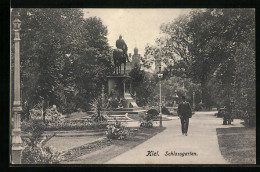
{"x":184,"y":112}
{"x":120,"y":43}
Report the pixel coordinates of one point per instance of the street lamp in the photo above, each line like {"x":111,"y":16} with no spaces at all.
{"x":193,"y":102}
{"x":17,"y":108}
{"x":160,"y":75}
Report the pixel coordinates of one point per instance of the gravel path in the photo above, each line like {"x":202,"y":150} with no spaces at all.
{"x":171,"y":147}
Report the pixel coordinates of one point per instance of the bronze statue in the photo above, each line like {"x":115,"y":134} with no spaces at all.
{"x":120,"y":55}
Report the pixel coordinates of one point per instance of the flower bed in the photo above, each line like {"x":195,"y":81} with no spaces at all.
{"x":75,"y":125}
{"x":116,"y":131}
{"x":70,"y":125}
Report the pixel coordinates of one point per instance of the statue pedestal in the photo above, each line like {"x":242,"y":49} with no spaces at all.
{"x":120,"y":86}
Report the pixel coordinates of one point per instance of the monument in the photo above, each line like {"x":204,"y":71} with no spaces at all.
{"x":120,"y":84}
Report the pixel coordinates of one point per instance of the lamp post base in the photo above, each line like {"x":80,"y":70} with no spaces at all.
{"x":16,"y":154}
{"x":16,"y":136}
{"x":160,"y":120}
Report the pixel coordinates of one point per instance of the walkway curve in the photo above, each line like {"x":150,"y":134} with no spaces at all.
{"x":199,"y":147}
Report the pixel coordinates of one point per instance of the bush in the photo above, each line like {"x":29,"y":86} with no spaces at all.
{"x":146,"y":120}
{"x":113,"y":103}
{"x":40,"y":155}
{"x":153,"y":112}
{"x":35,"y":129}
{"x":52,"y":114}
{"x":165,"y":111}
{"x":35,"y":152}
{"x":249,"y":118}
{"x":97,"y":107}
{"x":116,"y":131}
{"x":98,"y":118}
{"x":35,"y":114}
{"x":199,"y":107}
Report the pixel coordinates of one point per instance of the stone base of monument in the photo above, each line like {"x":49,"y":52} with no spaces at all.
{"x":120,"y":87}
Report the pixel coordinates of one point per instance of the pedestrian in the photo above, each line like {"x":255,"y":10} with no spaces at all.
{"x":184,"y":112}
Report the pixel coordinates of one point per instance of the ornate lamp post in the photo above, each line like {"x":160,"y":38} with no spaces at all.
{"x":17,"y":108}
{"x":193,"y":102}
{"x":160,"y":75}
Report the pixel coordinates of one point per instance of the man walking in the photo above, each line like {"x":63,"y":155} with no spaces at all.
{"x":184,"y":112}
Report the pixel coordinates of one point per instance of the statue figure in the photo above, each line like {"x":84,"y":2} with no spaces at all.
{"x":120,"y":43}
{"x":120,"y":54}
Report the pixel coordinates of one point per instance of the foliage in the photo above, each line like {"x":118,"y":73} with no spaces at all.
{"x":116,"y":131}
{"x":153,"y":112}
{"x":40,"y":155}
{"x":113,"y":103}
{"x":146,"y":120}
{"x":35,"y":114}
{"x":97,"y":107}
{"x":35,"y":129}
{"x":199,"y":107}
{"x":35,"y":152}
{"x":55,"y":122}
{"x":142,"y":85}
{"x":52,"y":115}
{"x":75,"y":125}
{"x":210,"y":46}
{"x":61,"y":54}
{"x":165,"y":111}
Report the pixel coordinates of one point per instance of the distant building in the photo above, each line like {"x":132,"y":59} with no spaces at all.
{"x":136,"y":58}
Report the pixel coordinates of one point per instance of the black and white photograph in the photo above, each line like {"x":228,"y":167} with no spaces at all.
{"x":132,"y":86}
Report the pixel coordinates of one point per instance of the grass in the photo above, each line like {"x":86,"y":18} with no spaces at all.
{"x":238,"y":145}
{"x":101,"y":151}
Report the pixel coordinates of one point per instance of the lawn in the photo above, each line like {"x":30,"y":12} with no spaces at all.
{"x":238,"y":145}
{"x":103,"y":150}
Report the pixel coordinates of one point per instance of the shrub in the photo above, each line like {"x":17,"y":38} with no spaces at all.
{"x":165,"y":111}
{"x":113,"y":103}
{"x":146,"y":120}
{"x":199,"y":107}
{"x":116,"y":131}
{"x":35,"y":152}
{"x":35,"y":114}
{"x":98,"y":118}
{"x":34,"y":129}
{"x":249,"y":118}
{"x":153,"y":112}
{"x":52,"y":114}
{"x":97,"y":108}
{"x":40,"y":155}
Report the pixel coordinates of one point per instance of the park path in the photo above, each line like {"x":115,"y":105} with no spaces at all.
{"x":201,"y":141}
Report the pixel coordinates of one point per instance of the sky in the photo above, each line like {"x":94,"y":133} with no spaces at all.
{"x":138,"y":27}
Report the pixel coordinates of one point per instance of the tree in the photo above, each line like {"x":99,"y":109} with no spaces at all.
{"x":92,"y":67}
{"x":47,"y":35}
{"x":60,"y":55}
{"x":203,"y":43}
{"x":142,"y":85}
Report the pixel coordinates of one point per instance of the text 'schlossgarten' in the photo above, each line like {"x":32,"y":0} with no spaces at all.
{"x":171,"y":153}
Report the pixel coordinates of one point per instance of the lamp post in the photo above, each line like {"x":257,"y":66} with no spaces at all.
{"x":160,"y":75}
{"x":17,"y":108}
{"x":193,"y":102}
